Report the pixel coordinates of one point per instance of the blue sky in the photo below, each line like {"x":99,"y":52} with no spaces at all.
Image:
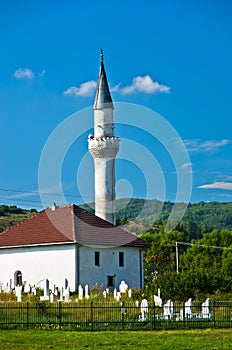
{"x":173,"y":57}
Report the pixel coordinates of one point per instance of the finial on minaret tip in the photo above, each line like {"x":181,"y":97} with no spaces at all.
{"x":101,"y":56}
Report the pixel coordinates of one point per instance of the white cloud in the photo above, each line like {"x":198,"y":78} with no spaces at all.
{"x":24,"y":73}
{"x":85,"y":89}
{"x":116,"y":88}
{"x":186,"y":166}
{"x":146,"y":85}
{"x":42,"y":73}
{"x":197,"y":145}
{"x":221,"y":185}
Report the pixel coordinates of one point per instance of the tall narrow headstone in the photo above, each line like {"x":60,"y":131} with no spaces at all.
{"x":46,"y":289}
{"x":18,"y":293}
{"x":67,"y":294}
{"x":80,"y":292}
{"x":86,"y":291}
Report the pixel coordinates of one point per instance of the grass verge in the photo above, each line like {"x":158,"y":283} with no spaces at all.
{"x":220,"y":339}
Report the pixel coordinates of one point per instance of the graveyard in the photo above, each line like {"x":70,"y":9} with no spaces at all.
{"x":94,"y":308}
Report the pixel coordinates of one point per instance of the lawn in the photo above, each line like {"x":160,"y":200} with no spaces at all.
{"x":211,"y":339}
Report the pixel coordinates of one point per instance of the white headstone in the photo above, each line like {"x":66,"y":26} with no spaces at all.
{"x":86,"y":291}
{"x":7,"y":288}
{"x":115,"y":293}
{"x":80,"y":292}
{"x":205,"y":309}
{"x":27,"y":288}
{"x":168,"y":310}
{"x":144,"y":309}
{"x":158,"y":301}
{"x":67,"y":294}
{"x":52,"y":297}
{"x":104,"y":294}
{"x":123,"y":287}
{"x":18,"y":293}
{"x":188,"y":308}
{"x":130,"y":293}
{"x":137,"y":303}
{"x":61,"y":294}
{"x":118,"y":296}
{"x":46,"y":289}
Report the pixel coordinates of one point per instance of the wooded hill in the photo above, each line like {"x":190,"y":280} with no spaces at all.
{"x":12,"y":215}
{"x":139,"y":215}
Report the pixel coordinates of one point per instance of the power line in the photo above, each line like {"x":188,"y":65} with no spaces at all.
{"x":41,"y":193}
{"x":203,"y":245}
{"x":194,"y":244}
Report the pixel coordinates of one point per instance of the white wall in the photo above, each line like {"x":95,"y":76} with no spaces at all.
{"x":109,"y":265}
{"x":36,"y":263}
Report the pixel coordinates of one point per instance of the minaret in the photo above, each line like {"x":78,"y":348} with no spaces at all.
{"x":103,"y":147}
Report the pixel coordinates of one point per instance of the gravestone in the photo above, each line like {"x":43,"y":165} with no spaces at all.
{"x":18,"y":293}
{"x":27,"y":288}
{"x":118,"y":296}
{"x":67,"y":294}
{"x":61,"y":294}
{"x":115,"y":293}
{"x":52,"y":297}
{"x":168,"y":310}
{"x":205,"y":309}
{"x":80,"y":292}
{"x":46,"y":289}
{"x":86,"y":291}
{"x":123,"y":287}
{"x":188,"y":308}
{"x":130,"y":293}
{"x":144,"y":309}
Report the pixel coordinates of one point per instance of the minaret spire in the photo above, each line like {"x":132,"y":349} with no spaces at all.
{"x":103,"y":98}
{"x":103,"y":147}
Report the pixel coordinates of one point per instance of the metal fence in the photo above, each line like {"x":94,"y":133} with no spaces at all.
{"x":111,"y":316}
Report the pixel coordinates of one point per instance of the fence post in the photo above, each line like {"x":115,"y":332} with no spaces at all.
{"x":91,"y":314}
{"x":60,"y":313}
{"x":123,"y":312}
{"x":27,"y":314}
{"x":153,"y":315}
{"x":184,"y":313}
{"x":214,"y":314}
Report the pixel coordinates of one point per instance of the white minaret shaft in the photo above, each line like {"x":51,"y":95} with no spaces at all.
{"x":103,"y":147}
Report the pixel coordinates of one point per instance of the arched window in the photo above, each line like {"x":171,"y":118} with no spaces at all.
{"x":18,"y":278}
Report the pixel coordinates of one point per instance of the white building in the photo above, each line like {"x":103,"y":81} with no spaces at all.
{"x":68,"y":243}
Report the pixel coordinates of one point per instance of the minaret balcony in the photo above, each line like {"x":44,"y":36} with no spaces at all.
{"x":104,"y":147}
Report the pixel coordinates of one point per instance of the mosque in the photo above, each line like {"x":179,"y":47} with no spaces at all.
{"x":68,"y":243}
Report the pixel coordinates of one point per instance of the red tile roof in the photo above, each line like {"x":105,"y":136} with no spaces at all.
{"x":67,"y":224}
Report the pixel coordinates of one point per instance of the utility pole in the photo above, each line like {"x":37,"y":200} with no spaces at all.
{"x":177,"y":259}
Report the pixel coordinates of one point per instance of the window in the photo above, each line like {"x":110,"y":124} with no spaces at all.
{"x":97,"y":258}
{"x":18,"y":278}
{"x":110,"y":281}
{"x":121,"y":259}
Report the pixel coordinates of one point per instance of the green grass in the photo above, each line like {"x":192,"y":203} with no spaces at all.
{"x":211,"y":339}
